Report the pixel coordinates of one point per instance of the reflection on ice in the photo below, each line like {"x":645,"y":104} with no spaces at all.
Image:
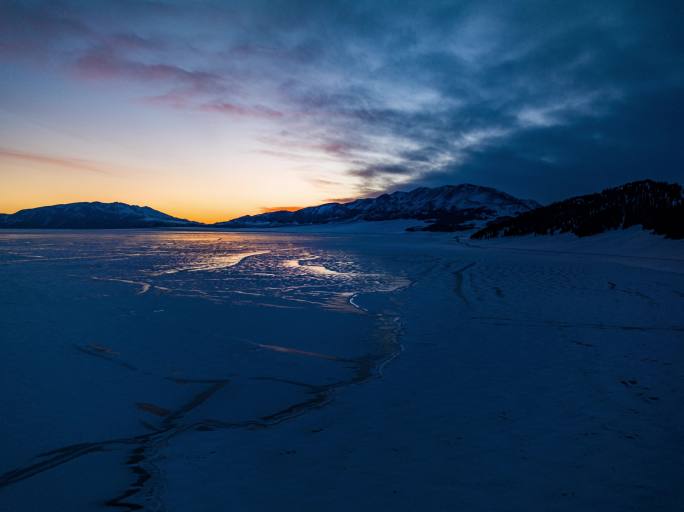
{"x":176,"y":332}
{"x":315,"y":269}
{"x":270,"y":270}
{"x":213,"y":263}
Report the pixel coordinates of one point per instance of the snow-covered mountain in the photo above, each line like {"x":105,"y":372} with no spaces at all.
{"x":94,"y":215}
{"x":656,"y":206}
{"x":448,"y":205}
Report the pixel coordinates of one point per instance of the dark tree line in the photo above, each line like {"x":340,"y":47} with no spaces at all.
{"x":657,"y":206}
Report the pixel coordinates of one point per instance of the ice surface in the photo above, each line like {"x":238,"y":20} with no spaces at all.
{"x":212,"y":371}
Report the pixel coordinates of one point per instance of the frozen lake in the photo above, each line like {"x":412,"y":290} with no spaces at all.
{"x":164,"y":370}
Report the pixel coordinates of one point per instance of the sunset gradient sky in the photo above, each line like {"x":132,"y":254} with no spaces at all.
{"x":213,"y":109}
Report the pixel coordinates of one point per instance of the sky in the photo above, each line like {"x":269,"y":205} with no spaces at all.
{"x":213,"y":109}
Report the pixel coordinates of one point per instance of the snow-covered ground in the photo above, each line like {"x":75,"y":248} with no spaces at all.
{"x":216,"y":371}
{"x":356,"y":227}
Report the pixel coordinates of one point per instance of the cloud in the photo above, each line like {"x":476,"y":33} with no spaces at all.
{"x":530,"y":96}
{"x":34,"y":33}
{"x":587,"y":154}
{"x":232,"y":109}
{"x":105,"y":65}
{"x":123,"y":41}
{"x":374,"y":171}
{"x":51,"y":160}
{"x":323,"y":183}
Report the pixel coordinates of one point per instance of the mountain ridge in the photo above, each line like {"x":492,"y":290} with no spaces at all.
{"x":656,"y":206}
{"x":449,"y":203}
{"x":91,"y":215}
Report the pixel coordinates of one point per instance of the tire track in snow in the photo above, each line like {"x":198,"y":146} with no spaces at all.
{"x":458,"y":286}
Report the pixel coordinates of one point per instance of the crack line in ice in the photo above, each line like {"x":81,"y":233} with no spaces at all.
{"x":288,"y":350}
{"x":367,"y":367}
{"x":144,"y":287}
{"x":103,"y":353}
{"x":458,"y":286}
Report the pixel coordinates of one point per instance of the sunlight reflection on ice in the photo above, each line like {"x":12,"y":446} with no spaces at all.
{"x":214,"y":263}
{"x":266,"y":269}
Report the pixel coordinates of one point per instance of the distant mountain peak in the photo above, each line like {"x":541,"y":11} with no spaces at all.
{"x":91,"y":215}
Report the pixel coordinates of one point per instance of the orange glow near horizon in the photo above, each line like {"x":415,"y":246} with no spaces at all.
{"x":31,"y":180}
{"x":206,"y":215}
{"x":180,"y":209}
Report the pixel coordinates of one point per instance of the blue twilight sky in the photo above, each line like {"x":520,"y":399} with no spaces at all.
{"x":212,"y":109}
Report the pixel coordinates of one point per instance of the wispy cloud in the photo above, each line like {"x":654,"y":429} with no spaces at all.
{"x":232,"y":109}
{"x":78,"y":164}
{"x":35,"y":32}
{"x":105,"y":65}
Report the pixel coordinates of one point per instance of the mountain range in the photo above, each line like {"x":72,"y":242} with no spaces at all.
{"x":656,"y":206}
{"x":448,"y":205}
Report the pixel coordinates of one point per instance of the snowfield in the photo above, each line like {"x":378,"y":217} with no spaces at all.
{"x":365,"y":368}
